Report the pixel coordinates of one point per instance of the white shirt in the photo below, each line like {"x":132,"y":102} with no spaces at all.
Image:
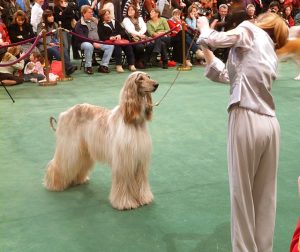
{"x":129,"y":26}
{"x":36,"y":16}
{"x":250,"y":68}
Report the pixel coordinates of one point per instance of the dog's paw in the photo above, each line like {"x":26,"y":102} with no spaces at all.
{"x":80,"y":181}
{"x":125,"y":204}
{"x":146,"y":198}
{"x":297,"y":77}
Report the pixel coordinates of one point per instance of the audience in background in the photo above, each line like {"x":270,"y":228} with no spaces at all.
{"x":52,"y":42}
{"x":157,"y":26}
{"x":12,"y":72}
{"x":88,"y":27}
{"x":20,"y":30}
{"x":136,"y":29}
{"x":36,"y":14}
{"x":141,"y":21}
{"x":112,"y":30}
{"x":34,"y":70}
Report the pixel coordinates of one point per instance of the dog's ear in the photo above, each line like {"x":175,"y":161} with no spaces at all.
{"x":149,"y":107}
{"x":130,"y":100}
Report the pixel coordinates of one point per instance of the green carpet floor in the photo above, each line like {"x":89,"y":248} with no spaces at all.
{"x":188,"y":172}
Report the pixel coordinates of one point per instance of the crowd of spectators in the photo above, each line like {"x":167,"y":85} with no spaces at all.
{"x":120,"y":21}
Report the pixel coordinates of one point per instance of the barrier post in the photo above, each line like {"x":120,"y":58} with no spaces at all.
{"x":47,"y":67}
{"x":62,"y":55}
{"x":183,"y":67}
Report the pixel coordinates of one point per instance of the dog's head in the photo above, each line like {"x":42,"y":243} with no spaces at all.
{"x":142,"y":82}
{"x":135,"y":98}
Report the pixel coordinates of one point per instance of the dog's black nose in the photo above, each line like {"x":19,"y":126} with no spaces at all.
{"x":156,"y":86}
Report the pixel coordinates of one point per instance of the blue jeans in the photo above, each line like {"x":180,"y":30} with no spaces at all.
{"x":88,"y":49}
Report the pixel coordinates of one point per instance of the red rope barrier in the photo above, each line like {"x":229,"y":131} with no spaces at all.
{"x":23,"y":56}
{"x":125,"y":44}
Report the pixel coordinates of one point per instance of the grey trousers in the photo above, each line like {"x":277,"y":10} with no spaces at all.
{"x":253,"y":151}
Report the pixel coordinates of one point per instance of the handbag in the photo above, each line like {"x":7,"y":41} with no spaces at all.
{"x":117,"y":41}
{"x":167,"y":10}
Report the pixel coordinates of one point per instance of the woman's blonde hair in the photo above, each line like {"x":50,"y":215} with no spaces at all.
{"x":275,"y":26}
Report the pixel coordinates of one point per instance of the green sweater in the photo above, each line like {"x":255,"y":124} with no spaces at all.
{"x":160,"y":26}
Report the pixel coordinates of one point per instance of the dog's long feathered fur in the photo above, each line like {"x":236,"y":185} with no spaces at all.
{"x":291,"y":50}
{"x":119,"y":137}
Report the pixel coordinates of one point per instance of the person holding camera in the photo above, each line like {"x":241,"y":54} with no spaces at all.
{"x":221,"y":23}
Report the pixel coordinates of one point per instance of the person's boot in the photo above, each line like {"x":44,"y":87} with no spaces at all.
{"x":165,"y":65}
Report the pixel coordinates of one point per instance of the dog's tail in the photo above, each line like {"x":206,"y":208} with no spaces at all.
{"x":52,"y":121}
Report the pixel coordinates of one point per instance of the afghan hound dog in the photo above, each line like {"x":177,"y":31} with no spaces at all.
{"x":86,"y":133}
{"x":291,"y":50}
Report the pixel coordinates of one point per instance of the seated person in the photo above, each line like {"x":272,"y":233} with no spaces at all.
{"x":87,"y":27}
{"x":176,"y":39}
{"x":136,"y":28}
{"x":34,"y":70}
{"x":192,"y":32}
{"x":11,"y":74}
{"x":112,"y":30}
{"x":157,"y":26}
{"x":4,"y":37}
{"x":52,"y":42}
{"x":20,"y":30}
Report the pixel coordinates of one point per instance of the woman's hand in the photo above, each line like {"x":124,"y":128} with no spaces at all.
{"x":202,"y":24}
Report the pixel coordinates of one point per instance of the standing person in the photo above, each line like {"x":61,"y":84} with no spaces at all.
{"x":91,"y":3}
{"x":64,"y":12}
{"x":9,"y":8}
{"x":36,"y":14}
{"x":25,"y":6}
{"x":107,"y":5}
{"x":87,"y":27}
{"x":253,"y":129}
{"x":221,"y":22}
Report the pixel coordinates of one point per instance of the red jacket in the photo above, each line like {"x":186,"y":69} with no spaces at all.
{"x":295,"y":245}
{"x":172,"y":23}
{"x":4,"y":33}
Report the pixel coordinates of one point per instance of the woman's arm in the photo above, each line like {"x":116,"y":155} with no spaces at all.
{"x":215,"y":69}
{"x":239,"y":37}
{"x":129,"y":27}
{"x":142,"y":26}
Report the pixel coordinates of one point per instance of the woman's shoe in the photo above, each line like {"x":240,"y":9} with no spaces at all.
{"x":165,"y":65}
{"x":119,"y":69}
{"x":188,"y":63}
{"x":131,"y":68}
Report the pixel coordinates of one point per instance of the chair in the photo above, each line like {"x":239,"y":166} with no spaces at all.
{"x":97,"y":56}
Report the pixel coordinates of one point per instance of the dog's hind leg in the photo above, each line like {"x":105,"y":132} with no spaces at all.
{"x":70,"y":166}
